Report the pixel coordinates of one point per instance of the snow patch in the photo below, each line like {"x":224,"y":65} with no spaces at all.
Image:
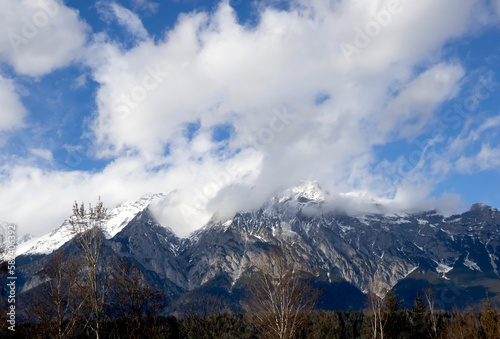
{"x":401,"y":221}
{"x":452,"y":236}
{"x":344,"y":229}
{"x":286,"y":230}
{"x":443,"y":269}
{"x":420,"y":248}
{"x":471,"y":264}
{"x":364,"y":220}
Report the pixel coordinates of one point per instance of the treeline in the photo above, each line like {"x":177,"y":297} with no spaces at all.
{"x":318,"y":325}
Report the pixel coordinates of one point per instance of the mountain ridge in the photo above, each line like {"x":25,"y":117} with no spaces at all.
{"x":303,"y":193}
{"x":373,"y":252}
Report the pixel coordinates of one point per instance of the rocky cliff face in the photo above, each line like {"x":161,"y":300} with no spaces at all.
{"x":371,"y":252}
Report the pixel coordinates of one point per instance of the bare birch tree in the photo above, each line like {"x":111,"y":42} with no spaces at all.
{"x":432,"y":313}
{"x":63,"y":297}
{"x":281,"y":300}
{"x":88,"y":224}
{"x":375,"y":315}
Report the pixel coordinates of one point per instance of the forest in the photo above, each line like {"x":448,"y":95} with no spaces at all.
{"x":397,"y":322}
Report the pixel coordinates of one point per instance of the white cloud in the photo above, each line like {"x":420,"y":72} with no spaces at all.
{"x":13,"y":111}
{"x":147,"y":6}
{"x":124,"y":17}
{"x":39,"y":36}
{"x":261,"y":81}
{"x":496,"y":5}
{"x":415,"y":104}
{"x":39,"y":200}
{"x":42,"y":153}
{"x":80,"y":81}
{"x":476,"y":134}
{"x":488,"y":158}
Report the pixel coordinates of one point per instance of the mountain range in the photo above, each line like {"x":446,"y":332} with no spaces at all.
{"x":457,"y":256}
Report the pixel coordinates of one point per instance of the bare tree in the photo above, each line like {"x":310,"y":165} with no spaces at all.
{"x":88,"y":224}
{"x":63,"y":275}
{"x":55,"y":304}
{"x":281,"y":300}
{"x":432,"y":312}
{"x":134,"y":300}
{"x":375,"y":315}
{"x":3,"y":301}
{"x":463,"y":325}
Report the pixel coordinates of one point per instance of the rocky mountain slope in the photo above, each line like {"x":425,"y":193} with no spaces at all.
{"x":459,"y":254}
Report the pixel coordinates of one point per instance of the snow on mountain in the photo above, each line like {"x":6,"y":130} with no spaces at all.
{"x":124,"y":213}
{"x":472,"y":265}
{"x":371,"y":252}
{"x":310,"y":191}
{"x":443,"y":269}
{"x":117,"y":219}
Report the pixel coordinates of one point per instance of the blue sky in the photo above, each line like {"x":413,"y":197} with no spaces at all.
{"x":224,"y":103}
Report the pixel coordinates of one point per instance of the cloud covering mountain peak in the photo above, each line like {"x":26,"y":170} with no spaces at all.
{"x":225,"y":112}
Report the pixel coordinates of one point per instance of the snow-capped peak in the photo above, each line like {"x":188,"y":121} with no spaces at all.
{"x":304,"y":190}
{"x":120,"y":216}
{"x":117,"y":219}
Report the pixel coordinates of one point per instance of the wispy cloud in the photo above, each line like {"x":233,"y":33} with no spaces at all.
{"x":13,"y":111}
{"x":147,"y":6}
{"x":125,"y":17}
